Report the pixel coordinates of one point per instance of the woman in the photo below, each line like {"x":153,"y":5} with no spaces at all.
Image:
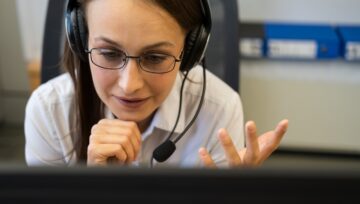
{"x":129,"y":68}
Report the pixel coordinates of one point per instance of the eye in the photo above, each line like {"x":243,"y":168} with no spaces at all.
{"x":111,"y":55}
{"x":154,"y":58}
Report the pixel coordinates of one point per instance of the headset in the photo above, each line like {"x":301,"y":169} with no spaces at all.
{"x":194,"y":51}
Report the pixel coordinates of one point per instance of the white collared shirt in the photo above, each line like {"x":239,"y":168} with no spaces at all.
{"x":50,"y":122}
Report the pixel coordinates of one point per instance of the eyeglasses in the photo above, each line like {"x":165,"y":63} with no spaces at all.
{"x":151,"y":62}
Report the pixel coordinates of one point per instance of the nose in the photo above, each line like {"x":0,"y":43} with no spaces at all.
{"x":130,"y":80}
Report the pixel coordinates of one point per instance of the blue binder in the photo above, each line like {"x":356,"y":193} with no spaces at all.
{"x":300,"y":41}
{"x":350,"y":37}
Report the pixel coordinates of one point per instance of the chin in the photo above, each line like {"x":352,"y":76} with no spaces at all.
{"x":134,"y":116}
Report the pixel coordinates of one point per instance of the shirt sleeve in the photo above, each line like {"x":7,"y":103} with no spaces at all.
{"x":41,"y":145}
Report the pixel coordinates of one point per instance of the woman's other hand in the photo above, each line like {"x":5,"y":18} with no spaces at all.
{"x":257,"y":150}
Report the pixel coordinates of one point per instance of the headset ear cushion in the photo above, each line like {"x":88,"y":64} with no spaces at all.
{"x":191,"y":40}
{"x":190,"y":43}
{"x":74,"y":34}
{"x":81,"y":34}
{"x":69,"y":23}
{"x":195,"y":45}
{"x":76,"y":30}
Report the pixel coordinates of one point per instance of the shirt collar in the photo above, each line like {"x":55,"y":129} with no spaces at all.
{"x":165,"y":116}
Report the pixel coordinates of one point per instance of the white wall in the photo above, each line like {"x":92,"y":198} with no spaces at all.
{"x":31,"y":16}
{"x":328,"y":11}
{"x":21,"y":33}
{"x":320,"y":98}
{"x":14,"y":87}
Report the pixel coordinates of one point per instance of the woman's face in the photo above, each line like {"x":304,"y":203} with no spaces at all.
{"x":134,"y":27}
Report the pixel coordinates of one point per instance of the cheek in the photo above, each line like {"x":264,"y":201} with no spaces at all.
{"x":102,"y":80}
{"x":162,"y":85}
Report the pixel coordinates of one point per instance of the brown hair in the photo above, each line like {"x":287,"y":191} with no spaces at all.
{"x":89,"y":108}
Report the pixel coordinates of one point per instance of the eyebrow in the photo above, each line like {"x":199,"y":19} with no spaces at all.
{"x":151,"y":46}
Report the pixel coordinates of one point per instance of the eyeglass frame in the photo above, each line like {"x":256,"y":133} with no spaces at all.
{"x":137,"y":58}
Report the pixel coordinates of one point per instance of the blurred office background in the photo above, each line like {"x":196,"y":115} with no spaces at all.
{"x":320,"y":98}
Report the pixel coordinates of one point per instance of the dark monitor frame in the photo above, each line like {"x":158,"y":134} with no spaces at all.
{"x":127,"y":185}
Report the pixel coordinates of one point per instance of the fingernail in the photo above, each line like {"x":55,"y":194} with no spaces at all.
{"x":221,"y":134}
{"x":286,"y":124}
{"x":202,"y":151}
{"x":250,"y":127}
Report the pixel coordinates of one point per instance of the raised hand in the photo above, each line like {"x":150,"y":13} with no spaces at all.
{"x":257,"y":150}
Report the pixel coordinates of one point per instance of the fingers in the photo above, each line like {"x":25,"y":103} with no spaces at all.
{"x":270,"y":141}
{"x":121,"y":137}
{"x":124,"y":137}
{"x":281,"y":129}
{"x":99,"y":154}
{"x":123,"y":140}
{"x":231,"y":153}
{"x":113,"y":124}
{"x":229,"y":148}
{"x":252,"y":156}
{"x":257,"y":150}
{"x":206,"y":158}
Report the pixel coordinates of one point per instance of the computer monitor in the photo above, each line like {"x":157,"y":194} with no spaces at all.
{"x":127,"y":185}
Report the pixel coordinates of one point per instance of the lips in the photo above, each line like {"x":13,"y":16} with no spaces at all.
{"x":131,"y":102}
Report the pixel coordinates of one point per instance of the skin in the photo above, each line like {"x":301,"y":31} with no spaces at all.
{"x":152,"y":29}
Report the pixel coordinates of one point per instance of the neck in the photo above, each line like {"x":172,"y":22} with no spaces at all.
{"x":144,"y":124}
